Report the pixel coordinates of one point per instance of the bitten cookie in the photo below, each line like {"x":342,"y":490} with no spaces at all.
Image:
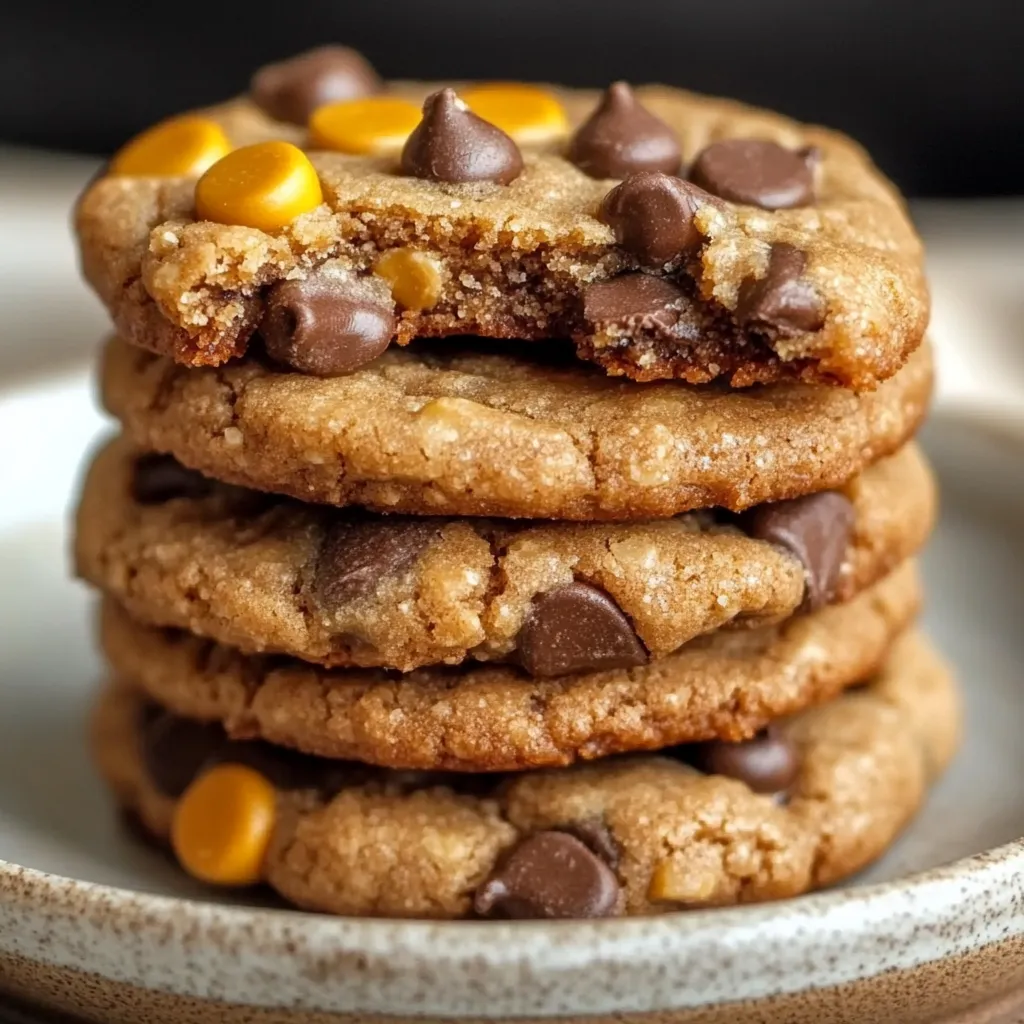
{"x":341,"y":588}
{"x":488,"y":718}
{"x":430,"y":430}
{"x":668,"y":234}
{"x":809,"y":803}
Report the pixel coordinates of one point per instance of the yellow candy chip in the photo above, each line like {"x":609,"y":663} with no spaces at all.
{"x":526,"y":112}
{"x":414,"y":277}
{"x":264,"y":186}
{"x":181,"y":146}
{"x":222,"y":825}
{"x":373,"y":124}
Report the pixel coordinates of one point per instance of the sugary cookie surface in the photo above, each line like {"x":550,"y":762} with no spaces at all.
{"x":801,"y":806}
{"x":339,"y":588}
{"x":443,"y":430}
{"x":777,"y":249}
{"x":494,"y":717}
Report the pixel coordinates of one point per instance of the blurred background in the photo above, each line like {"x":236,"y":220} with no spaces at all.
{"x":935,"y":88}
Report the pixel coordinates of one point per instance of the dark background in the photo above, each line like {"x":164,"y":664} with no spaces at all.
{"x":935,"y":88}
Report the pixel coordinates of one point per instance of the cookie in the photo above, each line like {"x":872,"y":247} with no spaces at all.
{"x":781,"y":251}
{"x":433,"y":431}
{"x":812,"y":801}
{"x":343,"y":588}
{"x":490,"y":718}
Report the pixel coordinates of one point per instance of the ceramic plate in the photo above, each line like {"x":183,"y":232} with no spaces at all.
{"x":90,"y":920}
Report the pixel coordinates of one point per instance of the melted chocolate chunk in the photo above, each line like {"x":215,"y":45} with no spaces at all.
{"x":174,"y":750}
{"x":781,"y":301}
{"x":634,"y":302}
{"x":817,"y":529}
{"x":549,"y":875}
{"x":577,"y":628}
{"x":768,"y":763}
{"x":158,"y":478}
{"x":356,"y":554}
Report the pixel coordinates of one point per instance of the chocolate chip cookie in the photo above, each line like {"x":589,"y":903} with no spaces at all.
{"x":487,"y":718}
{"x":343,"y":588}
{"x":807,"y":803}
{"x":431,"y":430}
{"x":667,"y":234}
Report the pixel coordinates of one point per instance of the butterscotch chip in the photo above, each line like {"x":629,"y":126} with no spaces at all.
{"x":441,"y":431}
{"x":520,"y":256}
{"x":349,"y":588}
{"x":496,"y":718}
{"x":400,"y":844}
{"x":415,"y":277}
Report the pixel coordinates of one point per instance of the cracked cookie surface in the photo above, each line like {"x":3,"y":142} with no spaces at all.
{"x":493,"y":717}
{"x":517,"y":260}
{"x":433,"y":431}
{"x":348,"y":840}
{"x":338,"y":588}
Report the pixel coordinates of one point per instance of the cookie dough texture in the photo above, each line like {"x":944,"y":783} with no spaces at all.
{"x":513,"y":261}
{"x":494,"y":718}
{"x":396,"y":847}
{"x":434,"y":431}
{"x":245,"y":572}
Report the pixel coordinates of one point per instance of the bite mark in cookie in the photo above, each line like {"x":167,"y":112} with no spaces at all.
{"x":515,"y":259}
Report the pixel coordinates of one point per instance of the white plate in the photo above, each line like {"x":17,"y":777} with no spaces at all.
{"x":56,"y":818}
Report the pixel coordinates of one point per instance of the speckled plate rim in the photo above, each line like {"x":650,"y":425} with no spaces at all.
{"x":378,"y":966}
{"x":265,"y":958}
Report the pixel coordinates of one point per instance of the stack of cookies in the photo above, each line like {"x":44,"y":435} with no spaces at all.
{"x":516,"y":502}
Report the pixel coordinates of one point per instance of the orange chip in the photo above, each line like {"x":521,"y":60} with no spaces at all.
{"x":373,"y":124}
{"x":264,"y":186}
{"x":223,"y":823}
{"x":526,"y":112}
{"x":181,"y":146}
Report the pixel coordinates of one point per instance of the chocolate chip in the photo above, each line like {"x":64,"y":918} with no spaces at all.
{"x":292,"y":89}
{"x":158,"y":478}
{"x":594,"y":834}
{"x":621,"y":136}
{"x":288,"y":769}
{"x":328,"y":324}
{"x":816,"y":528}
{"x":767,"y":764}
{"x":357,"y":554}
{"x":452,"y":144}
{"x":174,"y":749}
{"x":577,"y":628}
{"x":549,"y":875}
{"x":652,"y":215}
{"x":633,"y":302}
{"x":755,"y":172}
{"x":781,"y":300}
